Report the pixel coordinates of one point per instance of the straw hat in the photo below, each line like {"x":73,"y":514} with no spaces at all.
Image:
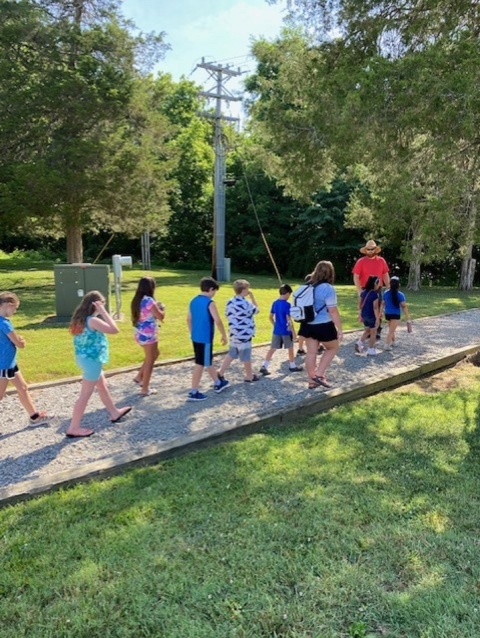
{"x":370,"y":245}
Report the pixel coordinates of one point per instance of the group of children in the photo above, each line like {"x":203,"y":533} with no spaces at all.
{"x":372,"y":305}
{"x":91,"y":322}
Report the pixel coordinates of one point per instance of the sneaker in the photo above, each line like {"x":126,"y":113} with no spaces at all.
{"x":372,"y":352}
{"x":220,"y":387}
{"x":265,"y":371}
{"x":196,"y":396}
{"x":42,"y":418}
{"x":294,"y":369}
{"x":358,"y":348}
{"x":253,"y":379}
{"x":300,"y":352}
{"x":387,"y":347}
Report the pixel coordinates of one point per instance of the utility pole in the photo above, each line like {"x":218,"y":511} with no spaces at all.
{"x":220,"y":74}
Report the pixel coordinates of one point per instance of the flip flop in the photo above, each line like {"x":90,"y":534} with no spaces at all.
{"x":122,"y":415}
{"x":149,"y":393}
{"x":80,"y":436}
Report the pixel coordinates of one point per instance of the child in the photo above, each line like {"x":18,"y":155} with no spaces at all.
{"x":9,"y":342}
{"x":283,"y":330}
{"x":201,"y":319}
{"x":393,"y":304}
{"x":369,"y":308}
{"x":90,"y":324}
{"x":241,"y":328}
{"x":145,"y":313}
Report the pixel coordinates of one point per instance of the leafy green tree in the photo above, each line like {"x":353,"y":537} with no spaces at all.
{"x":78,"y":153}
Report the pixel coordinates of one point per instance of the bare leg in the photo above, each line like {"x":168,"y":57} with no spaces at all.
{"x":331,"y":349}
{"x":23,"y":393}
{"x":225,"y":363}
{"x":86,"y":391}
{"x":372,"y":338}
{"x":106,"y":398}
{"x":392,"y":326}
{"x":291,"y":355}
{"x":196,"y":375}
{"x":311,"y":356}
{"x":151,"y":355}
{"x":248,"y":370}
{"x":213,"y":372}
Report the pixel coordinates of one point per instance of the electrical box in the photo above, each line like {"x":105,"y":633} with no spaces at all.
{"x":73,"y":281}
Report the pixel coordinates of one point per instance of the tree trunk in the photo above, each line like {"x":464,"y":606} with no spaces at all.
{"x":414,"y":273}
{"x":74,"y":245}
{"x":468,"y":263}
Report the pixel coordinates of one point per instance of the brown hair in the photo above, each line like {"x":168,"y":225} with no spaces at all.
{"x":84,"y":309}
{"x":239,"y":285}
{"x":323,"y":272}
{"x":8,"y":297}
{"x":146,"y":288}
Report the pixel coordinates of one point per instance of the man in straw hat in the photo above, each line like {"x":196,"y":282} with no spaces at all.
{"x":370,"y":265}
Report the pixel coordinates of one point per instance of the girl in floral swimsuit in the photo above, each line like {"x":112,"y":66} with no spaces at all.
{"x":145,"y":314}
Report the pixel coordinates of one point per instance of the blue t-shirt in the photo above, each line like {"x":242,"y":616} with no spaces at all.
{"x":281,"y":311}
{"x":325,"y":297}
{"x":390,"y":308}
{"x":368,"y":298}
{"x":8,"y":350}
{"x":201,"y":320}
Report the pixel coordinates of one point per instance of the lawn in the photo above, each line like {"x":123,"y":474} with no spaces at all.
{"x":48,"y":354}
{"x":363,"y":521}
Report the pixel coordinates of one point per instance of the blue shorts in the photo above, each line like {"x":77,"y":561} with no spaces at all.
{"x":369,"y":322}
{"x":91,"y":368}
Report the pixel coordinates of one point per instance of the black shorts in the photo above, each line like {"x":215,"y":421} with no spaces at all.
{"x":8,"y":373}
{"x":203,"y":353}
{"x":323,"y":332}
{"x":390,"y":317}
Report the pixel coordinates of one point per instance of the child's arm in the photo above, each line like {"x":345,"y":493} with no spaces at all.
{"x":253,"y":300}
{"x":272,"y":318}
{"x":405,"y":310}
{"x":158,"y":311}
{"x":292,"y":328}
{"x":376,"y":310}
{"x":212,"y":308}
{"x":189,"y":321}
{"x":17,"y":340}
{"x":104,"y":322}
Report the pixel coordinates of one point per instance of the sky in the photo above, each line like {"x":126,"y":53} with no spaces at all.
{"x":217,"y":30}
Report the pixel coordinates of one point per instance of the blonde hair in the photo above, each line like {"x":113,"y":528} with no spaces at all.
{"x":8,"y":297}
{"x":239,"y":285}
{"x":84,"y":309}
{"x":324,"y":271}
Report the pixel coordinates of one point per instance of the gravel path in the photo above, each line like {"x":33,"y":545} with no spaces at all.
{"x":30,"y":452}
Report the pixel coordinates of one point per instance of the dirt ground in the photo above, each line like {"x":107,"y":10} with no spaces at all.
{"x":464,"y":375}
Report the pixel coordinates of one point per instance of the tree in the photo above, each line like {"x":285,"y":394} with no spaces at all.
{"x":73,"y":142}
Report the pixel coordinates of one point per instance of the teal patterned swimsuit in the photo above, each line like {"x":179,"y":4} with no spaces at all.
{"x":91,"y":344}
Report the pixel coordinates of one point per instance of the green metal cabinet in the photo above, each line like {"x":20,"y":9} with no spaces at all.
{"x":73,"y":281}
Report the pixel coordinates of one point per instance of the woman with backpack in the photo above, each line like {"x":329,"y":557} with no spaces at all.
{"x":325,"y":327}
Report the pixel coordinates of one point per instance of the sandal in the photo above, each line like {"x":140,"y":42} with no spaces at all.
{"x":316,"y":382}
{"x":254,"y":378}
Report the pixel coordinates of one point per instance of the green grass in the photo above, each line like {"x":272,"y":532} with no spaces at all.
{"x":48,"y":354}
{"x":359,"y":522}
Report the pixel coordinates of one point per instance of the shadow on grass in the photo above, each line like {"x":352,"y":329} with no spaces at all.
{"x":365,"y":517}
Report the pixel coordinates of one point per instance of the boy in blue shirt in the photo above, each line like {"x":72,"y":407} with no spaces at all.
{"x":201,"y":319}
{"x":283,"y":330}
{"x":9,"y":342}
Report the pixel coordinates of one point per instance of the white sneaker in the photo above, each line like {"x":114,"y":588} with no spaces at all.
{"x":358,"y":347}
{"x":372,"y":352}
{"x":387,"y":347}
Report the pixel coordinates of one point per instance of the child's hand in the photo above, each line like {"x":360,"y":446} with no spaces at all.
{"x":20,"y":342}
{"x":223,"y":341}
{"x":99,"y":306}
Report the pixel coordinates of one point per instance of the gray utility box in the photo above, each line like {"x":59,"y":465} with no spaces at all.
{"x":73,"y":281}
